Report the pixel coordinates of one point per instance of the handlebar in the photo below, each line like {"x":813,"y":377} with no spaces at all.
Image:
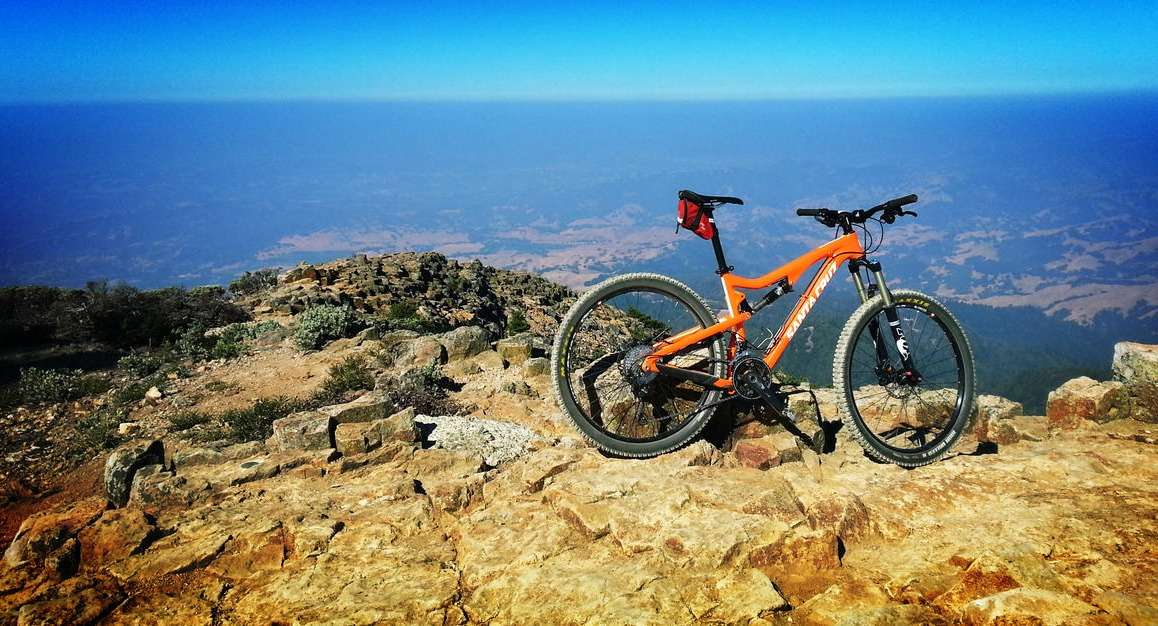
{"x":891,"y":209}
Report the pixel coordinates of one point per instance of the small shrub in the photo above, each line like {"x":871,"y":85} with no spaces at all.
{"x":255,"y":423}
{"x":140,"y":363}
{"x":254,"y":282}
{"x":264,"y":328}
{"x":404,"y":315}
{"x":352,"y":374}
{"x":321,"y":324}
{"x":231,"y":341}
{"x":425,"y":390}
{"x":92,"y":385}
{"x":220,"y":386}
{"x":188,"y":419}
{"x":40,"y":385}
{"x":130,"y":394}
{"x":215,"y":432}
{"x":192,"y":343}
{"x":517,"y":323}
{"x":98,"y":430}
{"x":402,"y":309}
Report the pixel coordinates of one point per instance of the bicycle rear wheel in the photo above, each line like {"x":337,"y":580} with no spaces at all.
{"x":597,"y":357}
{"x":910,"y":417}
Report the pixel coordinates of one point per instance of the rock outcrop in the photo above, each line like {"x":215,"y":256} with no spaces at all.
{"x":1136,"y":367}
{"x":551,"y":534}
{"x":444,"y":292}
{"x":1084,"y":399}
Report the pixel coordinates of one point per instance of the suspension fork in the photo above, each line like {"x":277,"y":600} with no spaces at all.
{"x":865,"y":292}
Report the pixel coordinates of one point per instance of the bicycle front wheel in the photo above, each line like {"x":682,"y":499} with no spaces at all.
{"x":910,"y":414}
{"x":597,"y":358}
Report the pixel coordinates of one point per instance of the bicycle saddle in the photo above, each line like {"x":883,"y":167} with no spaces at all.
{"x":708,"y":200}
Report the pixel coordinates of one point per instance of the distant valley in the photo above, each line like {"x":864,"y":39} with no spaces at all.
{"x":1037,"y":216}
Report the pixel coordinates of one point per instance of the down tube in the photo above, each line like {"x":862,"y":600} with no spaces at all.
{"x":801,"y":310}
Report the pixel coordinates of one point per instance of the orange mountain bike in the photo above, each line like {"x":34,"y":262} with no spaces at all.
{"x":640,"y":363}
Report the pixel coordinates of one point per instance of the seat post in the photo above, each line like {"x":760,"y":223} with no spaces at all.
{"x":721,"y":263}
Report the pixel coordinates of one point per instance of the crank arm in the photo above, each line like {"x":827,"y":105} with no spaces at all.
{"x":782,"y":419}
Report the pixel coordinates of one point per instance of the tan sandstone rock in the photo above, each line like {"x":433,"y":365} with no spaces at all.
{"x":1136,"y":366}
{"x":1086,"y":399}
{"x":515,"y":350}
{"x":308,"y":430}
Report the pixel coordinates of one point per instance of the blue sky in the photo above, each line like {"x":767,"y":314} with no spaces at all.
{"x":99,"y":50}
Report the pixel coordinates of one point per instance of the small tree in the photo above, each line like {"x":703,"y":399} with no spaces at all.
{"x":517,"y":323}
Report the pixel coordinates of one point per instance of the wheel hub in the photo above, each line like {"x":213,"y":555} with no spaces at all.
{"x":631,"y":366}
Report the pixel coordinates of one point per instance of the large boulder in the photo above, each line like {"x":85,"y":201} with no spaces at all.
{"x":464,"y":342}
{"x":356,"y":438}
{"x":405,"y":349}
{"x":308,"y":430}
{"x":124,"y":462}
{"x":1086,"y":399}
{"x":43,"y":533}
{"x":1136,"y":367}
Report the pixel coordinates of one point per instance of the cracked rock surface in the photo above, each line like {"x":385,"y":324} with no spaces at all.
{"x":567,"y":536}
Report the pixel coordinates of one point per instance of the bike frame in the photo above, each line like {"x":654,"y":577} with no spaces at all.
{"x":830,"y":256}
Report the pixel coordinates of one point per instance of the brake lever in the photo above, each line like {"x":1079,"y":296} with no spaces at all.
{"x":913,"y":213}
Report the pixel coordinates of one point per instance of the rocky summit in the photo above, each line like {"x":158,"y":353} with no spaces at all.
{"x":444,"y":486}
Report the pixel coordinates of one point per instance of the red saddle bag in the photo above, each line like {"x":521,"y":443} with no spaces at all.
{"x":694,"y":218}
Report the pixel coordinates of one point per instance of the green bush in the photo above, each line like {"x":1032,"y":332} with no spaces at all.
{"x":352,"y":374}
{"x":131,"y":393}
{"x":254,"y":282}
{"x":321,"y":324}
{"x":517,"y":323}
{"x":404,"y":315}
{"x":41,"y":385}
{"x":98,"y":430}
{"x":140,"y":363}
{"x":93,"y":384}
{"x":425,"y":389}
{"x":257,"y":329}
{"x":229,"y":343}
{"x":255,"y":423}
{"x":188,"y":419}
{"x":192,"y":343}
{"x":123,"y":316}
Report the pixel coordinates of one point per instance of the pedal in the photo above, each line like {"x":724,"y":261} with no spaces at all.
{"x":787,"y":423}
{"x":819,"y":441}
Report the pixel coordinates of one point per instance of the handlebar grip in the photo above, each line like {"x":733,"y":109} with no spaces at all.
{"x":808,"y":212}
{"x":897,"y":203}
